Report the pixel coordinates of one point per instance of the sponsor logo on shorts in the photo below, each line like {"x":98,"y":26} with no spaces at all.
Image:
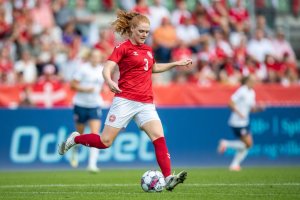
{"x":112,"y":118}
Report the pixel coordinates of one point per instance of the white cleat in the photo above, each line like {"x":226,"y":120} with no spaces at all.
{"x":65,"y":146}
{"x":93,"y":169}
{"x":236,"y":168}
{"x":173,"y":180}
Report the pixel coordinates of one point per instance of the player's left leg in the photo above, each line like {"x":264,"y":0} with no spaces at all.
{"x":154,"y":130}
{"x":242,"y":153}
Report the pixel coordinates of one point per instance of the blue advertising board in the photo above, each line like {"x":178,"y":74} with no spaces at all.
{"x":29,"y":138}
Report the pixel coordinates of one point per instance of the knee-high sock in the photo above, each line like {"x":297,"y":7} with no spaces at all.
{"x":90,"y":140}
{"x":239,"y":157}
{"x":162,"y":156}
{"x":93,"y":157}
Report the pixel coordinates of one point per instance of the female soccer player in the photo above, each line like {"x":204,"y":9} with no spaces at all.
{"x":133,"y":93}
{"x":87,"y":83}
{"x":242,"y":103}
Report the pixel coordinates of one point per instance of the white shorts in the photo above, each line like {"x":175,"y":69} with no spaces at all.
{"x":122,"y":111}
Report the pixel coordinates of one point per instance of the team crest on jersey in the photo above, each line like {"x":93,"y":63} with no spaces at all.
{"x":112,"y":118}
{"x":149,"y":54}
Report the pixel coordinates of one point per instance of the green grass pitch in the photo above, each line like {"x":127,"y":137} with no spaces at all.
{"x":202,"y":183}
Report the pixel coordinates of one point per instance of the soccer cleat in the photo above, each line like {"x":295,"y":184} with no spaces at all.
{"x":93,"y":169}
{"x":222,"y":147}
{"x":236,"y":168}
{"x":65,"y":146}
{"x":173,"y":180}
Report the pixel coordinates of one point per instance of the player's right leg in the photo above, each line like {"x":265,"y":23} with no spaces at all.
{"x":90,"y":140}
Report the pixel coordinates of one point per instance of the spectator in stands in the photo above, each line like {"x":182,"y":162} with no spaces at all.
{"x":222,"y":46}
{"x":262,"y":24}
{"x":242,"y":102}
{"x":239,"y":16}
{"x":182,"y":75}
{"x":25,"y":69}
{"x":141,"y":7}
{"x":274,"y":68}
{"x":22,"y":30}
{"x":63,"y":13}
{"x":157,"y":13}
{"x":267,"y":9}
{"x":5,"y":27}
{"x":106,"y":42}
{"x":237,"y":35}
{"x":164,"y":40}
{"x":218,"y":16}
{"x":240,"y":51}
{"x":127,"y":5}
{"x":7,"y":7}
{"x":295,"y":7}
{"x":259,"y":46}
{"x":202,"y":25}
{"x":83,"y":19}
{"x":188,"y":33}
{"x":283,"y":47}
{"x":6,"y":67}
{"x":42,"y":15}
{"x":45,"y":57}
{"x":180,"y":13}
{"x":198,"y":10}
{"x":205,"y":74}
{"x":109,"y":5}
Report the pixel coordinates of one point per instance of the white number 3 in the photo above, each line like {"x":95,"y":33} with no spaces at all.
{"x":146,"y":67}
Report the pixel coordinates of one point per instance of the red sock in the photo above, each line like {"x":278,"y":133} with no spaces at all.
{"x":90,"y":140}
{"x":162,"y":156}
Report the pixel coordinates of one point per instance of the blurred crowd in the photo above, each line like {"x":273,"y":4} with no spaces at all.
{"x":46,"y":41}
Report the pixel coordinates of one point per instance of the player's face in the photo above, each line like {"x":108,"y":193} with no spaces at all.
{"x":251,"y":81}
{"x":140,"y":33}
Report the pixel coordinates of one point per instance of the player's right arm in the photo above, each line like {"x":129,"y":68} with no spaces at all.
{"x":232,"y":106}
{"x":75,"y":85}
{"x":107,"y":72}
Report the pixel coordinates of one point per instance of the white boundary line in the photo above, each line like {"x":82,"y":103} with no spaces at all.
{"x":131,"y":185}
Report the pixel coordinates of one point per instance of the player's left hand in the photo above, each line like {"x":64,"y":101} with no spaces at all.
{"x":185,"y":62}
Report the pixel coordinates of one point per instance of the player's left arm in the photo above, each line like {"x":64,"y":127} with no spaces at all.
{"x":162,"y":67}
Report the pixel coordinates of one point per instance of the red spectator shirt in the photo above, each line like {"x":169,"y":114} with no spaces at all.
{"x":135,"y":66}
{"x":239,"y":15}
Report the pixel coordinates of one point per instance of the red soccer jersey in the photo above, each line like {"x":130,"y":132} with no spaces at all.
{"x":135,"y":66}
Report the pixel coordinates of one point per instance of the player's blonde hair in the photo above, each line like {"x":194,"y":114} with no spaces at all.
{"x":126,"y":20}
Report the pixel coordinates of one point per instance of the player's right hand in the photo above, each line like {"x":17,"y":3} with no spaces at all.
{"x":89,"y":90}
{"x":113,"y":86}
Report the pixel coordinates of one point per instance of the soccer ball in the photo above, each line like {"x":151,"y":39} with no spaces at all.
{"x":153,"y":181}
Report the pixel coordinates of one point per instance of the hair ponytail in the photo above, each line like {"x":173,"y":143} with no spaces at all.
{"x":125,"y":20}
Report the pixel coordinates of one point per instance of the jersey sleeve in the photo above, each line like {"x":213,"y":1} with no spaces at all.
{"x":78,"y":74}
{"x":237,"y":95}
{"x":117,"y":54}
